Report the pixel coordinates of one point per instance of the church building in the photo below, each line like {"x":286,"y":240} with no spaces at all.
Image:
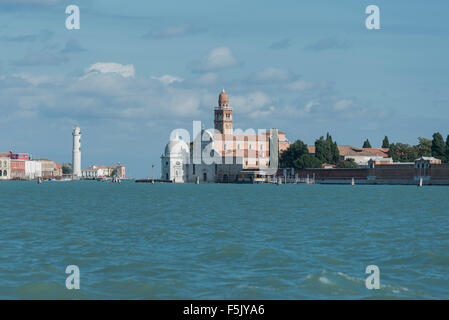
{"x":235,"y":153}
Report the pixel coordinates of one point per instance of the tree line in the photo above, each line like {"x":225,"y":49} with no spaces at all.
{"x":326,"y":152}
{"x":435,"y":147}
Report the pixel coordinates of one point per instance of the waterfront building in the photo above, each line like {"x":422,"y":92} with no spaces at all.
{"x":104,"y":171}
{"x":50,"y":169}
{"x":5,"y":168}
{"x":17,"y":169}
{"x":33,"y":169}
{"x":120,"y":171}
{"x":224,"y":152}
{"x":20,"y":156}
{"x":76,"y":153}
{"x":89,"y":173}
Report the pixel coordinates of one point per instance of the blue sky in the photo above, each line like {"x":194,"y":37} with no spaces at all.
{"x":138,"y":69}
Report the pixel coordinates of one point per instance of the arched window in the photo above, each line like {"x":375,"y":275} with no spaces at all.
{"x":5,"y":173}
{"x":0,"y":173}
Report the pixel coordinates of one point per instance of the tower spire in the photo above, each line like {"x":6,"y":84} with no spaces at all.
{"x":223,"y":114}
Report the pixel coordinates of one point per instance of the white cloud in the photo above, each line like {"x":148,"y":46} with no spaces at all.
{"x":300,"y":85}
{"x":125,"y":71}
{"x":217,"y":59}
{"x":252,"y":102}
{"x":343,"y":104}
{"x":168,"y":79}
{"x":271,"y":75}
{"x":309,"y":106}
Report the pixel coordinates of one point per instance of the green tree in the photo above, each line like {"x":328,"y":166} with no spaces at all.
{"x":447,"y":148}
{"x":402,"y":152}
{"x":366,"y":144}
{"x":438,"y":147}
{"x":67,"y":168}
{"x":113,"y":173}
{"x":326,"y":150}
{"x":349,"y":163}
{"x":385,"y":143}
{"x":307,"y":161}
{"x":294,"y":152}
{"x":424,"y":147}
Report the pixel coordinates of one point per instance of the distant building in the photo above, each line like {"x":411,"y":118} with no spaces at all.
{"x":224,"y":154}
{"x":121,"y":171}
{"x":20,"y":156}
{"x":104,"y":172}
{"x":50,"y":169}
{"x":361,"y":156}
{"x":374,"y":161}
{"x":426,"y":162}
{"x":89,"y":173}
{"x":33,"y":169}
{"x":5,"y":168}
{"x":17,"y":169}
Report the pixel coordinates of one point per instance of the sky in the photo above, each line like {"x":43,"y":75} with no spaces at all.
{"x":136,"y":70}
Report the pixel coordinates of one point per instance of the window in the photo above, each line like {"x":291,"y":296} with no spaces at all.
{"x":224,"y":147}
{"x":5,"y":173}
{"x":228,"y":116}
{"x":193,"y":169}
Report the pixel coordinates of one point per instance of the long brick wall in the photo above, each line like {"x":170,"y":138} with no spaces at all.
{"x":381,"y":174}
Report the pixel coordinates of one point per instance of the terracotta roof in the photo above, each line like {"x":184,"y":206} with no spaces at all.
{"x":354,"y":151}
{"x":383,"y":152}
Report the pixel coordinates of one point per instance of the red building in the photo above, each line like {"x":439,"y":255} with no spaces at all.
{"x":16,"y":156}
{"x":20,"y":156}
{"x":17,"y":169}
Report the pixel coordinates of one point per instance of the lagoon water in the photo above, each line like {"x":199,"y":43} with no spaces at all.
{"x":166,"y":241}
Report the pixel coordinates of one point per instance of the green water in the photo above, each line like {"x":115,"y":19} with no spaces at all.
{"x":166,"y":241}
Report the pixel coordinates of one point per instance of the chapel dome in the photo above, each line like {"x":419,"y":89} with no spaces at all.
{"x":176,"y":147}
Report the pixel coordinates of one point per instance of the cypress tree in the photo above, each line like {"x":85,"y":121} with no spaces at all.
{"x":438,"y":146}
{"x":366,"y":144}
{"x":385,"y":143}
{"x":447,"y":148}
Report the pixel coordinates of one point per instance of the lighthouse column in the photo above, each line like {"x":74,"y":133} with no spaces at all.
{"x":76,"y":153}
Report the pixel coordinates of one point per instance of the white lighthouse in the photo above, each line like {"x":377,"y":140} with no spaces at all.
{"x":76,"y":153}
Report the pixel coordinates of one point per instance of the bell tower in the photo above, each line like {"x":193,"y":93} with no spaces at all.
{"x":223,"y":114}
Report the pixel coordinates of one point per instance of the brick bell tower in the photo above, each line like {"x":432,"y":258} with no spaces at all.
{"x":223,"y":114}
